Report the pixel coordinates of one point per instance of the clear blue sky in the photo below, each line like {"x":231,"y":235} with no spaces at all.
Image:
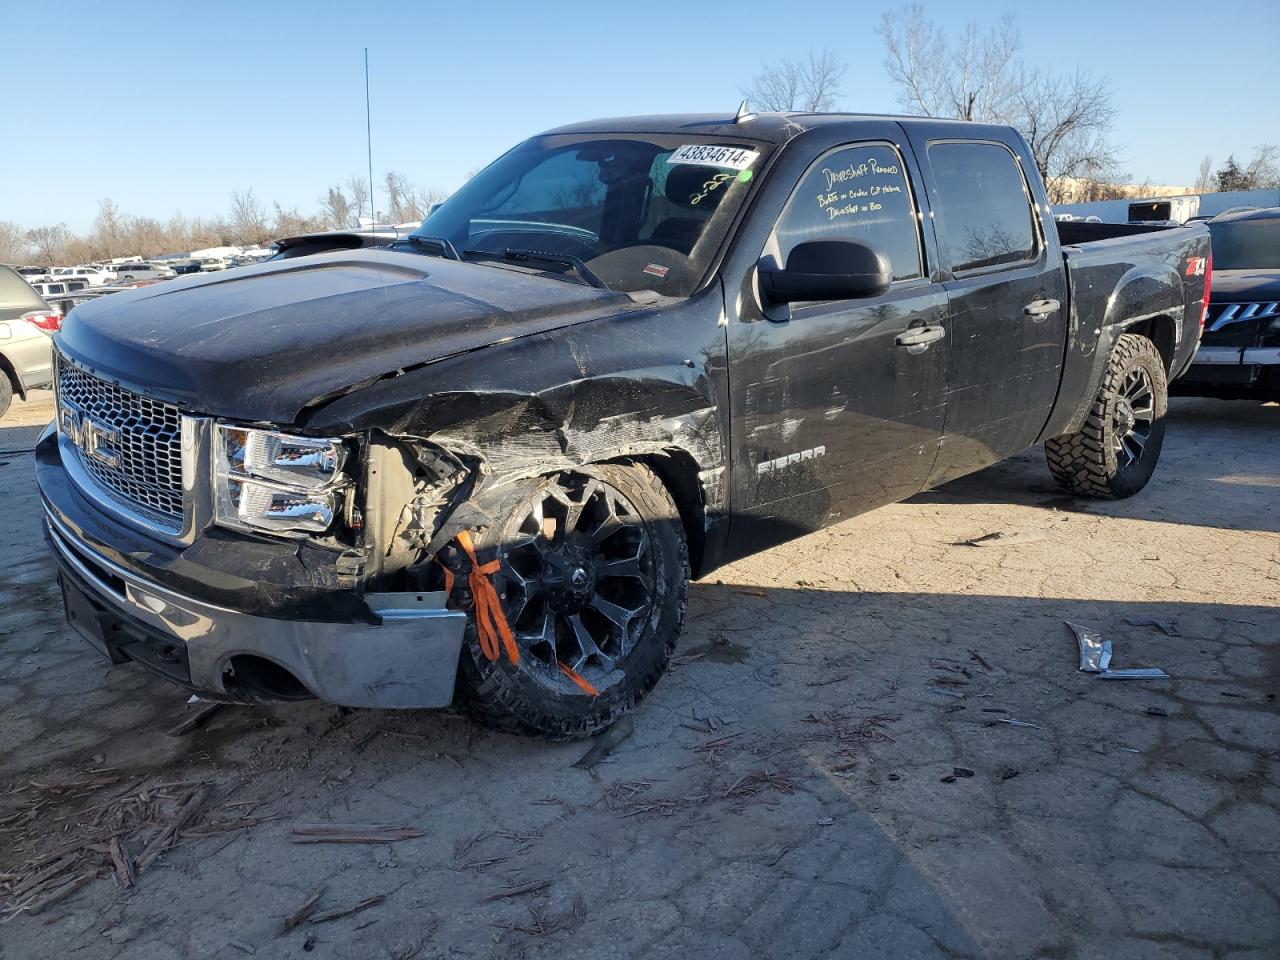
{"x":171,"y":106}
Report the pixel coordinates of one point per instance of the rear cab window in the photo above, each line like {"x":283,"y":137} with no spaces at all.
{"x":857,"y":193}
{"x":983,"y":207}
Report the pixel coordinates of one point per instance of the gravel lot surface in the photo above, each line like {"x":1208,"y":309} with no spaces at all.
{"x":823,"y":773}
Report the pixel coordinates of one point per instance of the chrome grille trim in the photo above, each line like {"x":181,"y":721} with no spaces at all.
{"x":143,"y":437}
{"x":1225,"y":314}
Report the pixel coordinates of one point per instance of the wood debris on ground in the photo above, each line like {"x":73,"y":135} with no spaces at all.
{"x":119,"y":836}
{"x":351,"y":833}
{"x":300,"y":916}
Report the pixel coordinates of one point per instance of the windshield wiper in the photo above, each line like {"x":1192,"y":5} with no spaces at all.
{"x":447,"y":249}
{"x":576,"y":266}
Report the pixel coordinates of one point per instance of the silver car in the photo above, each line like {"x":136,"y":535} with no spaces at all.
{"x":27,"y":325}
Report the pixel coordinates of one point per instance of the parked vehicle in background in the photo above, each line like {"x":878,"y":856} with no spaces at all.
{"x":1164,"y":210}
{"x":1239,"y":356}
{"x":94,"y":276}
{"x":32,"y":271}
{"x":487,"y":460}
{"x":143,"y":271}
{"x":52,"y":288}
{"x":27,"y":325}
{"x":210,"y":264}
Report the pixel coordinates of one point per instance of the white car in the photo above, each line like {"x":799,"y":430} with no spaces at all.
{"x":143,"y":271}
{"x":51,"y":288}
{"x":26,"y":329}
{"x":96,"y":276}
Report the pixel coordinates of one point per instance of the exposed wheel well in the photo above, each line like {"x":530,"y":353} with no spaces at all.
{"x":7,"y":369}
{"x":1160,"y":331}
{"x":678,"y":472}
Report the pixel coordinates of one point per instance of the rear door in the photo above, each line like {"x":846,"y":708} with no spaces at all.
{"x":831,"y":416}
{"x":1006,"y":295}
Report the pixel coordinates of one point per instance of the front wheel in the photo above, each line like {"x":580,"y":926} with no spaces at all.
{"x":1115,"y":452}
{"x":593,"y":580}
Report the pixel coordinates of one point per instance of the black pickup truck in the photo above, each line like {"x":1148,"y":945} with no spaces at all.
{"x":482,"y":466}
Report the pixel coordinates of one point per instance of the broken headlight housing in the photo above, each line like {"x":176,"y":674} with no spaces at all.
{"x":275,"y":482}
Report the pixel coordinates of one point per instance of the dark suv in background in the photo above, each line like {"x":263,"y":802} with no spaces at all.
{"x":1239,"y":355}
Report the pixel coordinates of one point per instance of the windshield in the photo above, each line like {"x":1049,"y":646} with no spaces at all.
{"x":1246,"y":244}
{"x":640,"y":212}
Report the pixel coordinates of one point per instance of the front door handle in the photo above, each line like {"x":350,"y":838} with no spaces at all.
{"x":1039,"y":309}
{"x":920,"y":336}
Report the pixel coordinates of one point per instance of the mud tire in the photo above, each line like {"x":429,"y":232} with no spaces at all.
{"x":1092,"y":462}
{"x":515,"y":699}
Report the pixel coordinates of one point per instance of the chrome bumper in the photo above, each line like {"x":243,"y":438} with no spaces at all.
{"x":408,"y":660}
{"x":1238,"y":356}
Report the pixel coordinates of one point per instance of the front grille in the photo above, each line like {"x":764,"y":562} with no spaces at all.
{"x":143,"y":436}
{"x":1226,"y":314}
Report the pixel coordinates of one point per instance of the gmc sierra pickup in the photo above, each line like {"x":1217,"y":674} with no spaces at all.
{"x":481,"y":466}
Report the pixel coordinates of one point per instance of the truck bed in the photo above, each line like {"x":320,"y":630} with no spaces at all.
{"x":1144,"y":277}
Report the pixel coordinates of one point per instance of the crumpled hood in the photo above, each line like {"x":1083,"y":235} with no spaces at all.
{"x":261,"y":343}
{"x":1245,"y":286}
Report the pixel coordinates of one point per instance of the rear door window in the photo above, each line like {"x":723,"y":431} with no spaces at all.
{"x":857,"y":193}
{"x":983,"y":206}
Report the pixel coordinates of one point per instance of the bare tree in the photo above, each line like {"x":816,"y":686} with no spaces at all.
{"x":48,"y":242}
{"x":336,"y":209}
{"x":1065,"y":121}
{"x":973,"y":79}
{"x":13,"y":243}
{"x":1204,"y":179}
{"x":358,"y":187}
{"x":980,"y":77}
{"x":289,"y":222}
{"x":405,"y":202}
{"x":107,"y":229}
{"x":810,"y":85}
{"x":249,"y":221}
{"x":1262,"y":170}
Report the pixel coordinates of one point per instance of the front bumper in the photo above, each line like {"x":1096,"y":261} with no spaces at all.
{"x":403,"y":653}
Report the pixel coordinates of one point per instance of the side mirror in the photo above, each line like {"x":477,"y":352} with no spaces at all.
{"x":828,"y":270}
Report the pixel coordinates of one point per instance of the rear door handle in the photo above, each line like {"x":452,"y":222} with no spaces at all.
{"x":1041,"y":308}
{"x":920,"y":336}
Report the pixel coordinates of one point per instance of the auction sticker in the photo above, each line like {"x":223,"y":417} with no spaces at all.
{"x":711,"y":155}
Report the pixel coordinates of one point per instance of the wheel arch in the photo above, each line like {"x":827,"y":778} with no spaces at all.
{"x":678,"y":471}
{"x":1160,"y":329}
{"x":7,"y":368}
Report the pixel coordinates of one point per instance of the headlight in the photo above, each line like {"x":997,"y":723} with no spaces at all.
{"x":275,"y":482}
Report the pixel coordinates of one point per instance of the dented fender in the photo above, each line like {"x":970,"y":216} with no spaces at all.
{"x":648,"y":385}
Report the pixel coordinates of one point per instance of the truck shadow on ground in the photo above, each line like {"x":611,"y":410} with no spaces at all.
{"x":798,"y":760}
{"x":1223,"y":449}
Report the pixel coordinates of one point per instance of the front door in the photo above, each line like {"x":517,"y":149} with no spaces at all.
{"x":838,"y":406}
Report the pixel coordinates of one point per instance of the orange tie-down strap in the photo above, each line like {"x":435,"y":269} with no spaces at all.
{"x":491,"y":621}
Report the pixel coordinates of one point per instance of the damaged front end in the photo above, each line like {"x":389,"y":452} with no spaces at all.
{"x":297,"y":577}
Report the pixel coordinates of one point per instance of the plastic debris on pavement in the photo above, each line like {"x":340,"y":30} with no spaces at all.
{"x":1095,"y":651}
{"x":1134,"y":673}
{"x":1095,"y":657}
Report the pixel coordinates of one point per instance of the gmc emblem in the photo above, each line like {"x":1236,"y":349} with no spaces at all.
{"x":94,"y":439}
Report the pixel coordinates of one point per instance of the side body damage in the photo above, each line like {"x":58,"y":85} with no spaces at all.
{"x":449,"y":441}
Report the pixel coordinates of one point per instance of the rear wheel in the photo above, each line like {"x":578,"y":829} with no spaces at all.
{"x":6,"y":392}
{"x":593,"y":580}
{"x":1115,"y":452}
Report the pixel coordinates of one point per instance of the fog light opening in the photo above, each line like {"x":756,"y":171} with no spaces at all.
{"x":251,"y":677}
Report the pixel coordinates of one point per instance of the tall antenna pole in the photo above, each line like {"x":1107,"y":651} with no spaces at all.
{"x":368,"y":130}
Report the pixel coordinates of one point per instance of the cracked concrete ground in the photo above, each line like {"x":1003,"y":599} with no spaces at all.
{"x":791,"y":789}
